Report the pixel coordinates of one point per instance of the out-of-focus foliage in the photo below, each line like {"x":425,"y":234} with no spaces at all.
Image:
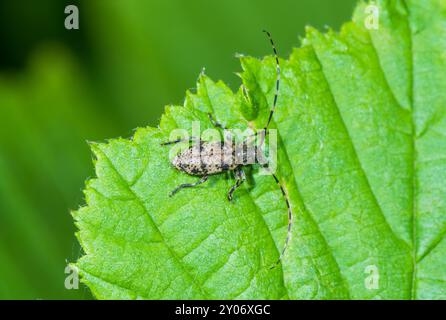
{"x":60,"y":88}
{"x":46,"y":116}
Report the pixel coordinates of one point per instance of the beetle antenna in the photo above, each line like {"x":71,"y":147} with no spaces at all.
{"x":290,"y":220}
{"x":276,"y":94}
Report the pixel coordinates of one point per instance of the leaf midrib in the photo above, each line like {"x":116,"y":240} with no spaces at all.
{"x":310,"y":216}
{"x":414,"y":157}
{"x":355,"y":153}
{"x":304,"y":207}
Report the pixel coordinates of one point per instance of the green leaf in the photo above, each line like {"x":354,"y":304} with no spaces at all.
{"x":361,"y":121}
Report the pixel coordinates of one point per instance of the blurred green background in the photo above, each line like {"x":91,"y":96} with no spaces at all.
{"x":60,"y":88}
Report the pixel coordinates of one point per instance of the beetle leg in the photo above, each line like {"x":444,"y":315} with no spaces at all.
{"x":178,"y":141}
{"x":240,"y":178}
{"x":188,"y":185}
{"x":262,"y":133}
{"x":215,"y":123}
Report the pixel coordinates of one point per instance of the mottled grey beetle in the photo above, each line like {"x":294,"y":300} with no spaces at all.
{"x":210,"y":158}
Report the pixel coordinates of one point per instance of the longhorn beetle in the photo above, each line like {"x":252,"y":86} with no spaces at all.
{"x":218,"y":157}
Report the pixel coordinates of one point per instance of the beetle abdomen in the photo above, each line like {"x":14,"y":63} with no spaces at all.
{"x":209,"y":158}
